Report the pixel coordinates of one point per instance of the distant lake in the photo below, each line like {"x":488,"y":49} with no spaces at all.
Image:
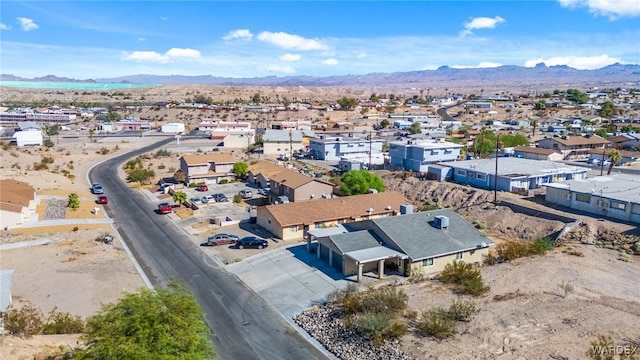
{"x":71,"y":86}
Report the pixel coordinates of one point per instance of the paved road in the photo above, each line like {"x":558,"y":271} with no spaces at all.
{"x":245,"y":326}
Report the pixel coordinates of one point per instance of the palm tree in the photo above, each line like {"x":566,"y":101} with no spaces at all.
{"x":534,"y":125}
{"x":91,"y":132}
{"x":179,"y":197}
{"x":614,"y":155}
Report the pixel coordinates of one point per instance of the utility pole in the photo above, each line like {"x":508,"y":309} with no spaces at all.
{"x":604,"y":149}
{"x":495,"y":175}
{"x":290,"y":145}
{"x":370,"y":140}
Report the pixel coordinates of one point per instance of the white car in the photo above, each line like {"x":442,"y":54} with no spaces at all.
{"x":263,"y":191}
{"x":196,"y":201}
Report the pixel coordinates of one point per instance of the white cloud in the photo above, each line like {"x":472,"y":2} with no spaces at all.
{"x":288,"y":41}
{"x":164,"y":18}
{"x":290,"y":57}
{"x":281,"y":69}
{"x":240,"y":34}
{"x":611,"y":8}
{"x":4,"y":26}
{"x":27,"y":24}
{"x":331,"y":61}
{"x":361,"y":55}
{"x":576,"y":62}
{"x":480,"y":23}
{"x":155,"y":57}
{"x":141,"y":39}
{"x":482,"y":65}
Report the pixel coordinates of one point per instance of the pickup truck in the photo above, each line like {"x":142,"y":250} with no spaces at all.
{"x":165,"y":208}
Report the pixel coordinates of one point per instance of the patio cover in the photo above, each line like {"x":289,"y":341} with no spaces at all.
{"x":374,"y":254}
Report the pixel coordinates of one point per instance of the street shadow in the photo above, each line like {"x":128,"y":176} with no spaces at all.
{"x":255,"y":229}
{"x":300,"y":252}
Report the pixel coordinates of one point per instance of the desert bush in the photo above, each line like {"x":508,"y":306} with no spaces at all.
{"x":48,"y":143}
{"x":339,"y":295}
{"x":142,"y":176}
{"x":6,"y":145}
{"x":480,"y":224}
{"x":467,"y":278}
{"x":171,"y":169}
{"x":223,"y":181}
{"x":461,"y":310}
{"x":623,"y":256}
{"x":540,"y":246}
{"x":604,"y":348}
{"x":437,"y":323}
{"x":192,"y":185}
{"x":566,"y":288}
{"x":237,"y":198}
{"x":75,"y":229}
{"x":26,"y":321}
{"x":384,"y":300}
{"x":62,"y":323}
{"x":131,"y":165}
{"x":372,"y":325}
{"x":163,"y":153}
{"x":73,"y":201}
{"x":162,"y":167}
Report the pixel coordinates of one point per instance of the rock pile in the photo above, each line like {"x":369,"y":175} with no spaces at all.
{"x":55,"y":209}
{"x":325,"y":325}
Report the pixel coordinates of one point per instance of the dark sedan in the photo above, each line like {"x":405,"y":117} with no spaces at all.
{"x":251,"y":242}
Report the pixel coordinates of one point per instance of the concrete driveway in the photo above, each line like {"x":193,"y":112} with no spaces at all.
{"x":289,"y":278}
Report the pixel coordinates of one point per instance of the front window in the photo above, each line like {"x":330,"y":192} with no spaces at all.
{"x":618,"y":205}
{"x":293,"y":228}
{"x":461,"y":172}
{"x":427,"y":262}
{"x":459,"y":256}
{"x":319,"y":225}
{"x":583,"y":198}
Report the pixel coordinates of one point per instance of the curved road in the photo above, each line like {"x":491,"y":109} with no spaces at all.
{"x":245,"y":326}
{"x":443,"y":114}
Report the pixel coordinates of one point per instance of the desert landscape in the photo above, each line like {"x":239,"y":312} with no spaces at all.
{"x":61,"y":262}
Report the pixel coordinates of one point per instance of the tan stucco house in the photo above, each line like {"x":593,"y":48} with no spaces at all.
{"x":17,"y":203}
{"x":536,"y":153}
{"x":207,"y":168}
{"x":260,"y":173}
{"x":291,"y":221}
{"x":409,"y":244}
{"x":296,"y":187}
{"x":574,"y":147}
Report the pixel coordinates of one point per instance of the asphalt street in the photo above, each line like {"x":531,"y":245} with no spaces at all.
{"x":245,"y":326}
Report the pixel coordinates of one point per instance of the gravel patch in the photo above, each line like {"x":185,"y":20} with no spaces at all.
{"x":325,"y":325}
{"x":55,"y":209}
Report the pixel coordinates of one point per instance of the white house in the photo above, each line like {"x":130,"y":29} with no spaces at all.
{"x":174,"y":128}
{"x":29,"y":134}
{"x":277,"y":142}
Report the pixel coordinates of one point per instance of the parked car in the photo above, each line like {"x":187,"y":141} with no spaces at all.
{"x":593,"y":161}
{"x":246,"y":193}
{"x":208,"y":199}
{"x":221,"y":239}
{"x":102,"y":200}
{"x":96,"y":188}
{"x":251,"y":242}
{"x":196,"y":201}
{"x":220,"y":197}
{"x":264,"y":191}
{"x":202,"y":187}
{"x":282,"y":200}
{"x":165,"y":208}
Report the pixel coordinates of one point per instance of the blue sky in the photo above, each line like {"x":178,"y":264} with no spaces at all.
{"x":102,"y":39}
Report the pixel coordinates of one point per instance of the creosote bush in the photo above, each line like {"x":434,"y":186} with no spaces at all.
{"x":467,"y":278}
{"x":28,"y":321}
{"x":514,"y":249}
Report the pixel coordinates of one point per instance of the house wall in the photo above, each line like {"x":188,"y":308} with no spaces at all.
{"x":439,"y":263}
{"x":594,"y":204}
{"x":280,"y":147}
{"x":304,"y":192}
{"x":238,"y":142}
{"x":264,"y":219}
{"x":28,"y":138}
{"x":223,"y":168}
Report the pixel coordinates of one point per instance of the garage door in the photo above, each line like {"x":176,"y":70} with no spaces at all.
{"x":324,"y":253}
{"x":337,"y":261}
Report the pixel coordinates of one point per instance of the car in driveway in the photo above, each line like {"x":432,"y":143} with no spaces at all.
{"x":208,"y":199}
{"x":165,"y":208}
{"x":246,"y":193}
{"x":220,"y":197}
{"x":264,"y":191}
{"x":252,"y":242}
{"x":97,"y":189}
{"x":102,"y":200}
{"x":221,"y":239}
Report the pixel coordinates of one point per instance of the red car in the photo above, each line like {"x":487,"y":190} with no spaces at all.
{"x":202,"y":187}
{"x":165,"y":208}
{"x":102,"y":200}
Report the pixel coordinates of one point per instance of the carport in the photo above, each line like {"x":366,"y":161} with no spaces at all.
{"x":374,"y":255}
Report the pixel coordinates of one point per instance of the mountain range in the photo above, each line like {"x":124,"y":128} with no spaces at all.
{"x":612,"y":75}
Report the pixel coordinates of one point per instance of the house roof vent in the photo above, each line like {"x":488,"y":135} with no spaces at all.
{"x":441,"y":222}
{"x":389,"y":207}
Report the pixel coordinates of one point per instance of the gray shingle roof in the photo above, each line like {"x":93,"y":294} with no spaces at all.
{"x":417,"y":237}
{"x":357,"y":240}
{"x":281,"y":135}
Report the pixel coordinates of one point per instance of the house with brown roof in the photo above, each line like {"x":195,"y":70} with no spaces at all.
{"x":17,"y":203}
{"x":207,"y":168}
{"x":574,"y":147}
{"x":260,"y":173}
{"x":626,"y":141}
{"x":296,"y":187}
{"x":626,"y":157}
{"x":536,"y":153}
{"x":291,"y":221}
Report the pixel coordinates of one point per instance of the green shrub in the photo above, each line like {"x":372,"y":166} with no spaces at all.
{"x":192,"y":185}
{"x":541,"y":246}
{"x":372,"y":325}
{"x":461,"y":310}
{"x":223,"y":181}
{"x":48,"y":143}
{"x":161,"y":167}
{"x":237,"y":198}
{"x":467,"y":278}
{"x":513,"y":249}
{"x":482,"y":225}
{"x":163,"y":153}
{"x":338,"y":296}
{"x":26,"y":321}
{"x":104,"y":151}
{"x":62,"y":323}
{"x":384,"y":300}
{"x":437,"y":323}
